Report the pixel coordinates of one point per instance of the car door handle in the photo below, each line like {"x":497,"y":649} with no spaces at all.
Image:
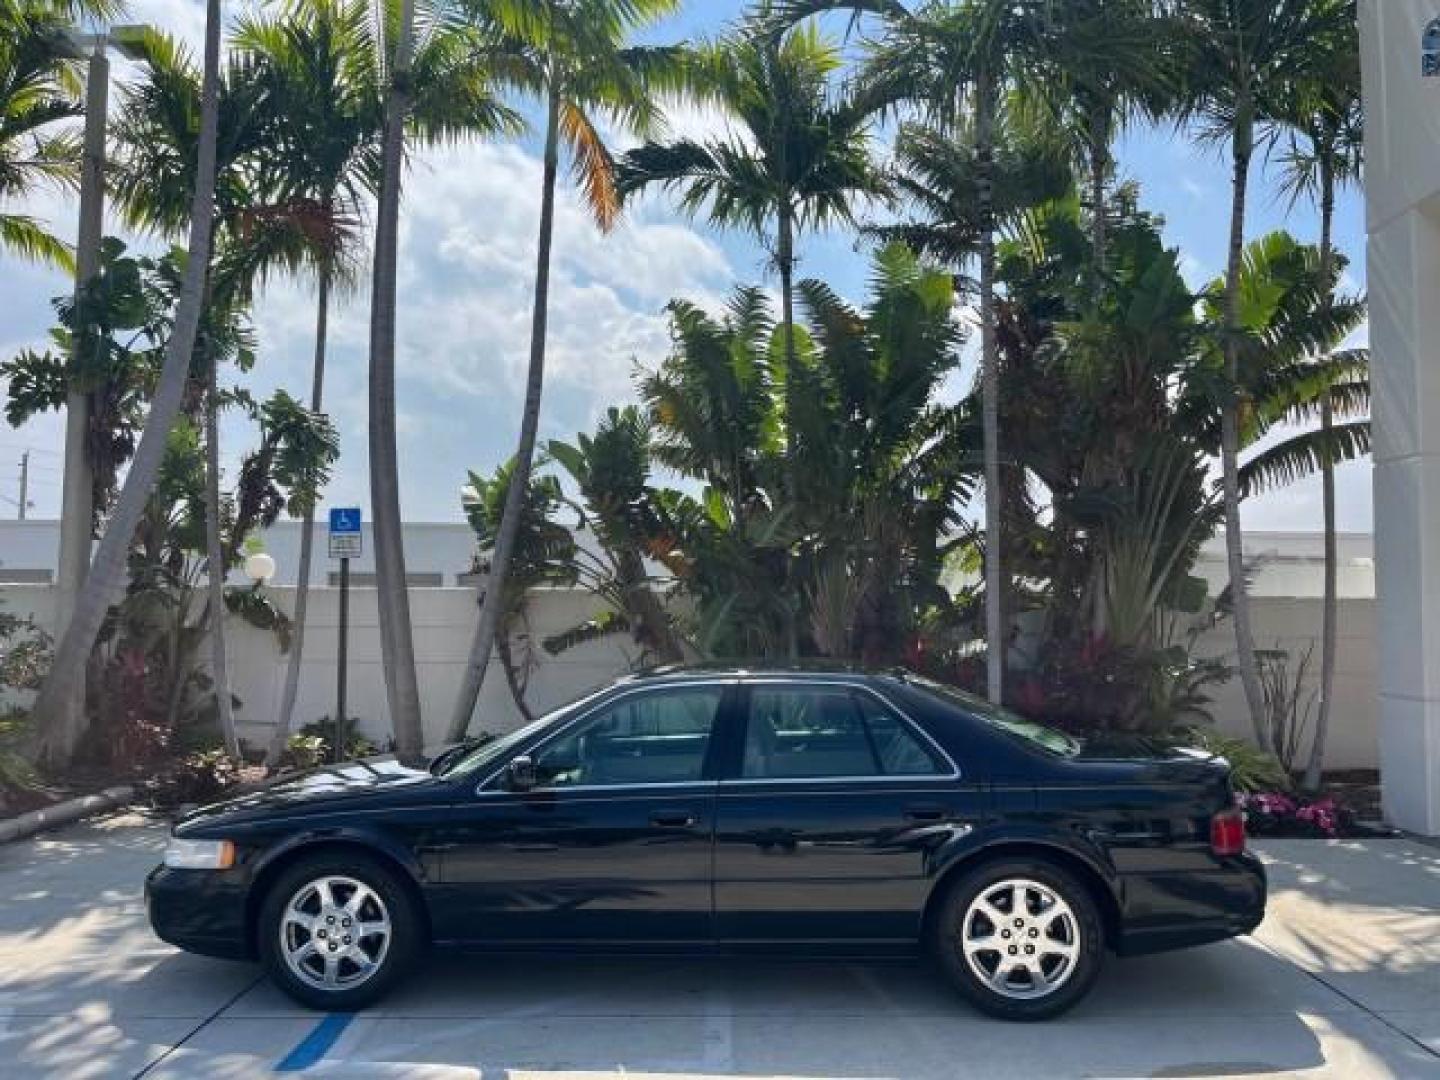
{"x":673,"y":819}
{"x":925,"y":813}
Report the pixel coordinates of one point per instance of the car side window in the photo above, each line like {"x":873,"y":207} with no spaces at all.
{"x":816,"y":732}
{"x":660,"y":737}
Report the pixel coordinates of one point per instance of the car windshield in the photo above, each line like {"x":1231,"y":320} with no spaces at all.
{"x":496,"y":750}
{"x":1047,"y":738}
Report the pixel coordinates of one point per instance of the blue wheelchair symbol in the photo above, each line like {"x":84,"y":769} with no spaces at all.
{"x":345,"y":520}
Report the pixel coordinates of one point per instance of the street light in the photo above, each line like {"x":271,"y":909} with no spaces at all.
{"x":77,"y":501}
{"x":259,"y":568}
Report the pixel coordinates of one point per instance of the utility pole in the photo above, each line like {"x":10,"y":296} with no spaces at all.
{"x":24,"y":483}
{"x":77,"y":513}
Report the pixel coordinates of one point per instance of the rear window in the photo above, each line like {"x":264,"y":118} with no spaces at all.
{"x":1046,"y":738}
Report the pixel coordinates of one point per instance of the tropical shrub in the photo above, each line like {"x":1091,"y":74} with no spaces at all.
{"x":1252,"y":770}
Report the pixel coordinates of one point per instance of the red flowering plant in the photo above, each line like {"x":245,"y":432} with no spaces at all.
{"x":1275,"y":813}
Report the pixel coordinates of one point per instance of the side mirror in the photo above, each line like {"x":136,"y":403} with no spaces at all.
{"x":520,"y":774}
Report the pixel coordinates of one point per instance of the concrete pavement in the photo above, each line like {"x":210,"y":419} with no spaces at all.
{"x":1342,"y":980}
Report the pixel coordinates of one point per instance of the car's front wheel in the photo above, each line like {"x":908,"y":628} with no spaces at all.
{"x":1020,"y":939}
{"x":337,"y":931}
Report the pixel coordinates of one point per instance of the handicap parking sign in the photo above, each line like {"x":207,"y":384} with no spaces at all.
{"x":345,"y":532}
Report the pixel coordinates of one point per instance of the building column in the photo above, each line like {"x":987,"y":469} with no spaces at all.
{"x":1402,"y":111}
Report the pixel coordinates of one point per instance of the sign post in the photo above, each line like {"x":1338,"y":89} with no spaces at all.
{"x":345,"y":544}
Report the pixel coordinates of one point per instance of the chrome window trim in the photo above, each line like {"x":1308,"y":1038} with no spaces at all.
{"x":723,"y":683}
{"x":722,"y":786}
{"x":851,"y":684}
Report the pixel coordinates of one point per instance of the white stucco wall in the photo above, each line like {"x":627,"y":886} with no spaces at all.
{"x":444,"y":620}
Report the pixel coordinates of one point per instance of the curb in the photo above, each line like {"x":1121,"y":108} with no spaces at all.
{"x":52,"y":817}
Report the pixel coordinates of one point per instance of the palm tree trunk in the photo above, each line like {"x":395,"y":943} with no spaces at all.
{"x":307,"y":541}
{"x":990,"y":392}
{"x":1329,"y":612}
{"x":786,"y":258}
{"x":1099,"y":173}
{"x":215,"y":564}
{"x":512,"y":676}
{"x":397,"y":645}
{"x":492,"y":607}
{"x":107,"y":572}
{"x":1242,"y":147}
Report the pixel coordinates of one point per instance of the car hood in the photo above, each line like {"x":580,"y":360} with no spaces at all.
{"x":371,"y":779}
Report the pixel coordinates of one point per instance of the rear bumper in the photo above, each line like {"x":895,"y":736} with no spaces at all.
{"x":1177,"y":911}
{"x":200,"y":911}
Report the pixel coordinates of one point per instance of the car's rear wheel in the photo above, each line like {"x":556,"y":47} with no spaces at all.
{"x":337,"y":931}
{"x":1021,"y":939}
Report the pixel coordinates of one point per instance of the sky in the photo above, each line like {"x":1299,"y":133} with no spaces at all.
{"x":467,"y":264}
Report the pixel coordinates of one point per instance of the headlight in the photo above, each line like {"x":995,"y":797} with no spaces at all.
{"x":199,"y":854}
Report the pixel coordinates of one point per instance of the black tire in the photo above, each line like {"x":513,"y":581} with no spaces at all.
{"x":406,"y":929}
{"x":948,"y":926}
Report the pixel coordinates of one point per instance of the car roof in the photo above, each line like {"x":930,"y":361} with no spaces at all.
{"x":711,"y":669}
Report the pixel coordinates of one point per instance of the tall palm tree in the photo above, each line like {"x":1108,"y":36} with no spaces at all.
{"x":155,"y":160}
{"x":108,"y":568}
{"x":397,"y":646}
{"x":322,"y":63}
{"x":1242,"y":59}
{"x":799,"y":159}
{"x":318,"y":59}
{"x":1326,"y":144}
{"x":960,"y":63}
{"x":575,"y":56}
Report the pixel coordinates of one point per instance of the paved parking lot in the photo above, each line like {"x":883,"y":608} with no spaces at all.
{"x":1342,"y":980}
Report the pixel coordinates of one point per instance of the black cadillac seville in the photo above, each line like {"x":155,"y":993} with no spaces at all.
{"x":726,"y":809}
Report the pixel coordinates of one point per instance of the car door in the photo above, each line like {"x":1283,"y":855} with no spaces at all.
{"x":612,"y":844}
{"x":827,"y":815}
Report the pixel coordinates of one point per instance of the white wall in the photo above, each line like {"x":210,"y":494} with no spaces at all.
{"x":445,"y":618}
{"x":1293,"y":625}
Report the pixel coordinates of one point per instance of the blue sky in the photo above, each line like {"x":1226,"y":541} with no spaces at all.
{"x":467,"y":264}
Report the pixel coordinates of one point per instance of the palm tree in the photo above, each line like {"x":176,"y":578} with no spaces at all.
{"x":1107,"y":61}
{"x":322,"y":63}
{"x":156,"y":135}
{"x":397,"y":646}
{"x":1326,"y":142}
{"x":38,"y":90}
{"x":108,"y":568}
{"x":798,"y":161}
{"x":1301,"y":377}
{"x":1242,"y":59}
{"x":575,"y":56}
{"x":959,"y":62}
{"x":318,"y":59}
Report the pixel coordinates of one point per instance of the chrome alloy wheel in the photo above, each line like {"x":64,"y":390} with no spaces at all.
{"x":1020,"y":938}
{"x":334,"y":933}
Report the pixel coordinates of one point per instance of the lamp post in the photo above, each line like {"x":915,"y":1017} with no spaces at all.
{"x":77,"y":514}
{"x":259,"y":568}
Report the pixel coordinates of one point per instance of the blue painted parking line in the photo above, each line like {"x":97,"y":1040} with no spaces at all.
{"x":316,"y":1044}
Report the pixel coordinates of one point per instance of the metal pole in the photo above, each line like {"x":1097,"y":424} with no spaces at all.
{"x":24,"y":482}
{"x":77,"y":514}
{"x":341,"y":657}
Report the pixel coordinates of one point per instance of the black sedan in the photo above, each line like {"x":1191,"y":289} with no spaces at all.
{"x":729,"y":810}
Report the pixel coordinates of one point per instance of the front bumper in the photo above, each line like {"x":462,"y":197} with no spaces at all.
{"x":200,"y":911}
{"x":1176,"y":911}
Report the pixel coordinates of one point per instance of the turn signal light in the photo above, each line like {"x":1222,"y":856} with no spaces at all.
{"x":1227,"y":832}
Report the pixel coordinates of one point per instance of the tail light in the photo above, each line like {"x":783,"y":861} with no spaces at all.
{"x":1227,"y":832}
